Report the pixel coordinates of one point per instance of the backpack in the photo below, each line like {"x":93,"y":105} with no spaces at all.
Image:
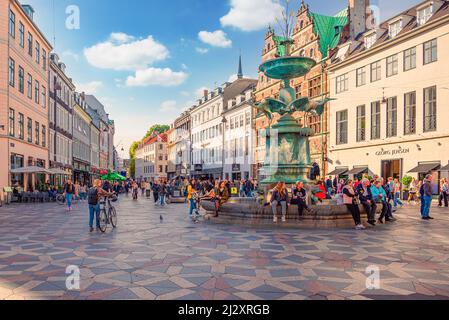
{"x":92,"y":196}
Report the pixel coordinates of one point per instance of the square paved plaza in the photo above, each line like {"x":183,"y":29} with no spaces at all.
{"x":146,"y":258}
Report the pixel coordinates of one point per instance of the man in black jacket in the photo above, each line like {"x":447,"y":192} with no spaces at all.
{"x":363,"y":191}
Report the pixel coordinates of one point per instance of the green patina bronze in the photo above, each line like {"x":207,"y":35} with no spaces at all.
{"x":287,"y":142}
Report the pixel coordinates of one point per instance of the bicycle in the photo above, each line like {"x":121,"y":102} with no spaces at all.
{"x":61,"y":200}
{"x":108,"y":214}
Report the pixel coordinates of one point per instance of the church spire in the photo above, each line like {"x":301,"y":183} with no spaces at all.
{"x":240,"y":72}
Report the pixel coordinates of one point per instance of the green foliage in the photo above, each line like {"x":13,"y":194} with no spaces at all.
{"x":406,"y":181}
{"x":160,"y":128}
{"x":132,"y":157}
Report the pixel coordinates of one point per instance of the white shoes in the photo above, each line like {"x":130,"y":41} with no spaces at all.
{"x":360,"y":227}
{"x":284,"y":219}
{"x":275,"y":219}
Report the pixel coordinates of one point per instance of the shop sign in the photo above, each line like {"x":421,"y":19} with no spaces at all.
{"x":198,"y":167}
{"x":392,"y":152}
{"x":235,"y":168}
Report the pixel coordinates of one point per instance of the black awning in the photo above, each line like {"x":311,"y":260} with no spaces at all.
{"x":359,"y":170}
{"x":338,"y":172}
{"x":445,"y":168}
{"x":425,"y":167}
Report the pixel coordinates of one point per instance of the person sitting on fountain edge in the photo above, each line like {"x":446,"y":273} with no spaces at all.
{"x":299,"y":198}
{"x":279,"y":196}
{"x":365,"y":195}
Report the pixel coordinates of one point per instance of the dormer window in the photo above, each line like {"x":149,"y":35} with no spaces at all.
{"x":370,"y":41}
{"x":424,"y":15}
{"x":395,"y":28}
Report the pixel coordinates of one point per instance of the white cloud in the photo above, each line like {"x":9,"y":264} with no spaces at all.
{"x":184,"y":66}
{"x":156,"y":76}
{"x":71,"y":55}
{"x":202,"y":50}
{"x":185,"y":93}
{"x":89,"y":87}
{"x":216,"y":38}
{"x":123,"y":52}
{"x":250,"y":15}
{"x":169,"y":106}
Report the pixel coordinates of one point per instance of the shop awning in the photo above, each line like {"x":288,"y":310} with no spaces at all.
{"x":32,"y":169}
{"x":338,"y":172}
{"x":57,"y":171}
{"x":445,"y":168}
{"x":425,"y":167}
{"x":358,"y":170}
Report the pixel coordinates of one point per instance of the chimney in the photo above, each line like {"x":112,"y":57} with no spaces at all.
{"x":359,"y":11}
{"x":206,"y":93}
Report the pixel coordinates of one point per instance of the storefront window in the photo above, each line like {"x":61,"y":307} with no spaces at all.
{"x":17,"y":161}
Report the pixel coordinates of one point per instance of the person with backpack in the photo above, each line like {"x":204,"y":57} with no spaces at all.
{"x":69,"y":191}
{"x":93,"y":197}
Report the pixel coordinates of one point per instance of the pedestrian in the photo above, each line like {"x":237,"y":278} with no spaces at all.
{"x":93,"y":196}
{"x":444,"y":194}
{"x":329,"y":186}
{"x":143,"y":186}
{"x":397,"y":188}
{"x":221,"y":196}
{"x":299,"y":198}
{"x":83,"y":191}
{"x":413,"y":191}
{"x":242,"y":193}
{"x":366,"y":199}
{"x":279,"y":196}
{"x":135,"y":190}
{"x":350,"y":200}
{"x":249,"y":188}
{"x":69,"y":191}
{"x":162,"y":191}
{"x":389,"y":197}
{"x":155,"y":190}
{"x":191,"y":197}
{"x":390,"y":191}
{"x":426,"y":197}
{"x":77,"y":190}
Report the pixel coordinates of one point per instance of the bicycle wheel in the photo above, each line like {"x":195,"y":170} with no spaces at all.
{"x":113,"y":217}
{"x":104,"y":220}
{"x":60,"y":199}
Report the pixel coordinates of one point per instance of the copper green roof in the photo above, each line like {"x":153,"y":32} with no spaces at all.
{"x":326,"y":28}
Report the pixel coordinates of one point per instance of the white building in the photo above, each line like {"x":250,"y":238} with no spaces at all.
{"x":240,"y":135}
{"x":391,"y":87}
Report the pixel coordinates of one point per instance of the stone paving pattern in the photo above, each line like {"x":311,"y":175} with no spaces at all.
{"x":146,"y":258}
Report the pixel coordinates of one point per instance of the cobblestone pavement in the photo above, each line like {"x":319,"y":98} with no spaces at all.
{"x":146,"y":258}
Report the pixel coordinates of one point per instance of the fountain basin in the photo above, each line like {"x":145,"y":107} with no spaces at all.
{"x":287,"y":67}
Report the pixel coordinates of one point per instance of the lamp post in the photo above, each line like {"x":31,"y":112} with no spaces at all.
{"x":223,"y":124}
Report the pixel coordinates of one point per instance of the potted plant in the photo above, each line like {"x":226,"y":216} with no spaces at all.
{"x":406,"y":181}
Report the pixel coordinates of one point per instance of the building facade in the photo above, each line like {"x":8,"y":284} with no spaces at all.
{"x":152,"y":158}
{"x":60,"y":119}
{"x":392,"y":97}
{"x":81,"y":140}
{"x":171,"y":152}
{"x":314,"y":36}
{"x":94,"y":150}
{"x":24,"y":54}
{"x":183,"y":144}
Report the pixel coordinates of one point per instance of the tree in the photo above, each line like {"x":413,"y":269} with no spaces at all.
{"x":132,"y":157}
{"x":160,"y":128}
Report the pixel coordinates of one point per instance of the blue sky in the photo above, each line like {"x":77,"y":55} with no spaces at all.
{"x":146,"y":59}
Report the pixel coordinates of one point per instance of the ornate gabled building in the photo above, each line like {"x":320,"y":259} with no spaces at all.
{"x":314,"y":36}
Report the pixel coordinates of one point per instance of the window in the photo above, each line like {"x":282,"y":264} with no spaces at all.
{"x":361,"y":123}
{"x":424,"y":15}
{"x":30,"y":130}
{"x":342,"y":127}
{"x":36,"y":91}
{"x":375,"y":120}
{"x":315,"y":87}
{"x":342,"y":83}
{"x":376,"y":71}
{"x":370,"y":41}
{"x":361,"y":77}
{"x":430,"y":109}
{"x":38,"y":53}
{"x":21,"y":127}
{"x":44,"y":97}
{"x":12,"y":123}
{"x":12,"y":72}
{"x":392,"y":65}
{"x":298,"y":91}
{"x":44,"y":136}
{"x":430,"y":51}
{"x":36,"y":129}
{"x":395,"y":28}
{"x":30,"y":86}
{"x":30,"y":44}
{"x":312,"y":53}
{"x":21,"y":80}
{"x":392,"y":117}
{"x":12,"y":24}
{"x":44,"y":59}
{"x":410,"y":113}
{"x":410,"y":59}
{"x":22,"y":35}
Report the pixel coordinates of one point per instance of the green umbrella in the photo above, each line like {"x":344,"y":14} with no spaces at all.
{"x":113,"y":176}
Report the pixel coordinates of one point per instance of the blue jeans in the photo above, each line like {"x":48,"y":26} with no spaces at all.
{"x":192,"y":207}
{"x":397,"y":199}
{"x":426,"y":202}
{"x":94,"y":210}
{"x":162,"y":200}
{"x":68,"y":198}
